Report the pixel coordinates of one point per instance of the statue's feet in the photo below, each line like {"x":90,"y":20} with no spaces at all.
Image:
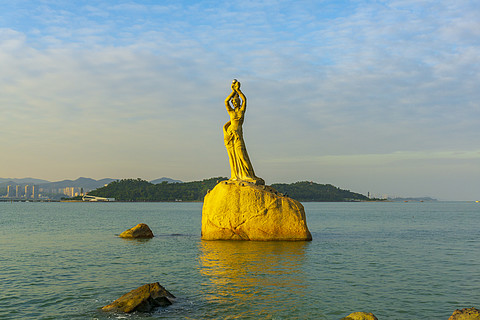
{"x":260,"y":182}
{"x":256,"y":181}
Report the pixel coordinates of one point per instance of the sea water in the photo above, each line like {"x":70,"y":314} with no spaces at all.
{"x":397,"y":260}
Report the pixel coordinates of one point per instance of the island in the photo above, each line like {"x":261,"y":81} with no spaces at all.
{"x":138,"y":190}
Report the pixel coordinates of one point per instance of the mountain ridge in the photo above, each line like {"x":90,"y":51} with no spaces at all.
{"x":73,"y":183}
{"x":27,"y":180}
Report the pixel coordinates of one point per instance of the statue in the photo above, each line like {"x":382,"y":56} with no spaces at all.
{"x":243,"y":207}
{"x":240,"y":165}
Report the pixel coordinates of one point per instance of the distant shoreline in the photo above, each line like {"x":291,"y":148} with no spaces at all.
{"x":198,"y":201}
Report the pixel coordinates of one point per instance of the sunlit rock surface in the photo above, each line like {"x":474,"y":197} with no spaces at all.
{"x":143,"y":299}
{"x":466,"y":314}
{"x":360,"y":316}
{"x":245,"y":211}
{"x":140,"y":231}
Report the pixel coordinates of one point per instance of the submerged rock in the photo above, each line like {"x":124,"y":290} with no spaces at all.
{"x":360,"y":316}
{"x":244,"y":211}
{"x":143,"y":299}
{"x":140,"y":231}
{"x":466,"y":314}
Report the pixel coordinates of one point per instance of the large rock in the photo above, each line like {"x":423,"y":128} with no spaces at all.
{"x":244,"y":211}
{"x":143,"y":299}
{"x":140,"y":231}
{"x":360,"y":316}
{"x":466,"y":314}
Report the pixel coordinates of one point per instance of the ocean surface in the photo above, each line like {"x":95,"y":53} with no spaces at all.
{"x":398,"y":260}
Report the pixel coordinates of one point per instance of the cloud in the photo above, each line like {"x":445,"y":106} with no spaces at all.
{"x":323,"y":80}
{"x":98,"y":99}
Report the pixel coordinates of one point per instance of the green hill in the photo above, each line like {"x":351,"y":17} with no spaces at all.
{"x":311,"y":191}
{"x":141,"y":190}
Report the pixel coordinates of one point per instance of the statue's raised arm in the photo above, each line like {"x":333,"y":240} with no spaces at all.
{"x":236,"y":88}
{"x":227,"y":100}
{"x":236,"y":98}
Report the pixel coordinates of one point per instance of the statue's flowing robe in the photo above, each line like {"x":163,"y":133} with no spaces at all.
{"x":240,"y":165}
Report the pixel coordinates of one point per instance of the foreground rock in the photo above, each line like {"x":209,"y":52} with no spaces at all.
{"x":244,"y":211}
{"x":143,"y":299}
{"x":140,"y":231}
{"x":466,"y":314}
{"x":360,"y":316}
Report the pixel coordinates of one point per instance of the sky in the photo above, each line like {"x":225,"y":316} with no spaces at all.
{"x":379,"y":97}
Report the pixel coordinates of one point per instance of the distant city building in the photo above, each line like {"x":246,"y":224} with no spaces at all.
{"x":10,"y":191}
{"x":35,"y":192}
{"x":28,"y":192}
{"x":22,"y":192}
{"x":69,"y":191}
{"x":18,"y":191}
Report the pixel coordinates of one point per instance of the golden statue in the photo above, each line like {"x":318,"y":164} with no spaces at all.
{"x":244,"y":208}
{"x":240,"y":165}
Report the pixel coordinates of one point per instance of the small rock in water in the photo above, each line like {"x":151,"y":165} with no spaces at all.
{"x":360,"y":316}
{"x":143,"y":299}
{"x":140,"y":231}
{"x":466,"y":314}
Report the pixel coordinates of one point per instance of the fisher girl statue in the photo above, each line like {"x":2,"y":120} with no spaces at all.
{"x":240,"y":165}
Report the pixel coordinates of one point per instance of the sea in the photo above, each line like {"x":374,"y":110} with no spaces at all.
{"x":398,"y":260}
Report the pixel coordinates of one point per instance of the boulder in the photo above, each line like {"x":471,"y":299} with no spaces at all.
{"x":143,"y":299}
{"x":140,"y":231}
{"x":239,"y":210}
{"x":466,"y":314}
{"x":360,"y":316}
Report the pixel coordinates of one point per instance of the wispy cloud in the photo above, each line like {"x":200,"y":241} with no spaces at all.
{"x":324,"y":80}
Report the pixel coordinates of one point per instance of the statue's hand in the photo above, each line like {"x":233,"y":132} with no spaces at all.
{"x":236,"y":86}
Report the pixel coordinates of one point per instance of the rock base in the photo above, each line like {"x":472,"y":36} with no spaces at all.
{"x":143,"y":299}
{"x":239,"y":210}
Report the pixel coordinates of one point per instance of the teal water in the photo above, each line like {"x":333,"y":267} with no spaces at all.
{"x":397,"y":260}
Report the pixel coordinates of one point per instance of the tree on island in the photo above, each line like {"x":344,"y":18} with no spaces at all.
{"x":315,"y":192}
{"x":141,"y":190}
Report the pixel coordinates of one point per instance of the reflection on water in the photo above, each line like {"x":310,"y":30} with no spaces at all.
{"x":250,"y":279}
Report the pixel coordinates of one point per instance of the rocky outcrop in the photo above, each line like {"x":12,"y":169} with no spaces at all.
{"x":143,"y":299}
{"x":466,"y":314}
{"x":360,"y":316}
{"x":244,"y":211}
{"x":140,"y":231}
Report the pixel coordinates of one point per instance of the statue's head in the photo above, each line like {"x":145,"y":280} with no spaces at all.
{"x":236,"y":101}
